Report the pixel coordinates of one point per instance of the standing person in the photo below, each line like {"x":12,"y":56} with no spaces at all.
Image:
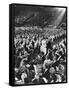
{"x":43,"y":46}
{"x":49,"y":45}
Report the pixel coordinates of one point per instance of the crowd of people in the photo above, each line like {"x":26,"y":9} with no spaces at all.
{"x":38,"y":59}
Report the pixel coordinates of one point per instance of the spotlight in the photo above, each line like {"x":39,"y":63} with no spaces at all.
{"x":61,"y":9}
{"x":59,"y":16}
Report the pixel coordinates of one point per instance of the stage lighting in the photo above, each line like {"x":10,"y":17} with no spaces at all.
{"x":59,"y":16}
{"x":61,"y":9}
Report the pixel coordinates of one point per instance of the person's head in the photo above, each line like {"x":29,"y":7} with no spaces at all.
{"x":52,"y":70}
{"x":61,"y":67}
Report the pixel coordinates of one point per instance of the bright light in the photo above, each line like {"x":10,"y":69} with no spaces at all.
{"x":60,"y":14}
{"x":60,"y":9}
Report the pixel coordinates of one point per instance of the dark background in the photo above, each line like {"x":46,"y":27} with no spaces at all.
{"x":37,"y":15}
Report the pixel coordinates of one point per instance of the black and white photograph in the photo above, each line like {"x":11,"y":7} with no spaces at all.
{"x":39,"y":50}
